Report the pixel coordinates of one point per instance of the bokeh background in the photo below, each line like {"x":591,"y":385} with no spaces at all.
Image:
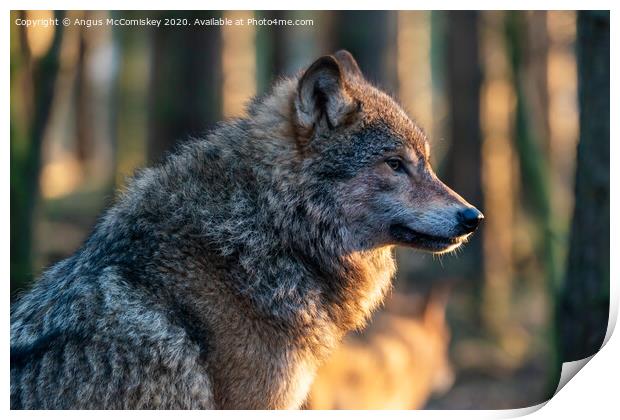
{"x":517,"y":108}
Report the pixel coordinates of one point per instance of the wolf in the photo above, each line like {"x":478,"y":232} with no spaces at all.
{"x":222,"y":277}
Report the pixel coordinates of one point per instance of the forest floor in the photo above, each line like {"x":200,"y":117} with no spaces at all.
{"x":476,"y":391}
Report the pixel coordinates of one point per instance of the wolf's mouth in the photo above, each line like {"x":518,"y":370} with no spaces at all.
{"x":409,"y":237}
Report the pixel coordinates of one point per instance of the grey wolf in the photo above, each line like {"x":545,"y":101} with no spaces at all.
{"x":222,"y":277}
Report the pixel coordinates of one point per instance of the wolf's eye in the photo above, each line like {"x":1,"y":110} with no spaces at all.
{"x":395,"y":164}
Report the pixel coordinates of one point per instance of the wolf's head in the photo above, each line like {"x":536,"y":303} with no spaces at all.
{"x":359,"y":141}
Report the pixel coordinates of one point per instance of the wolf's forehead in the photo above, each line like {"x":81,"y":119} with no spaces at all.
{"x":381,"y":137}
{"x":387,"y":115}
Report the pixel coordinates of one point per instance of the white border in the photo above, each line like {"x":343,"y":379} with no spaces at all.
{"x":592,"y":394}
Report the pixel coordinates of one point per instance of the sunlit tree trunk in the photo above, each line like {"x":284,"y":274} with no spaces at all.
{"x":537,"y":87}
{"x":498,"y":181}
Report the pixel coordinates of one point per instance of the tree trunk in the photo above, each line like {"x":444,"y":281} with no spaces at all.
{"x":185,"y":92}
{"x":462,"y":167}
{"x":534,"y":169}
{"x":84,"y":101}
{"x":270,"y":50}
{"x":371,"y":37}
{"x":584,"y":296}
{"x":26,"y":162}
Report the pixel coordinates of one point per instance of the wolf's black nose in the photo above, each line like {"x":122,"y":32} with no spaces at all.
{"x":469,"y":218}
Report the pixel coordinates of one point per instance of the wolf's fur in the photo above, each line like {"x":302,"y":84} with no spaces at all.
{"x":222,"y":277}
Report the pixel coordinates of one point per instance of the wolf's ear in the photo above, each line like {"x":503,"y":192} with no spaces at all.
{"x":349,"y":64}
{"x":322,"y":99}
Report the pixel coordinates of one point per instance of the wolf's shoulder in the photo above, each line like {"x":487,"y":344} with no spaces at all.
{"x":105,"y":305}
{"x":106,"y":338}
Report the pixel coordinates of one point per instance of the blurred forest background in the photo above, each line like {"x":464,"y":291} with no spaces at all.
{"x":517,"y":108}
